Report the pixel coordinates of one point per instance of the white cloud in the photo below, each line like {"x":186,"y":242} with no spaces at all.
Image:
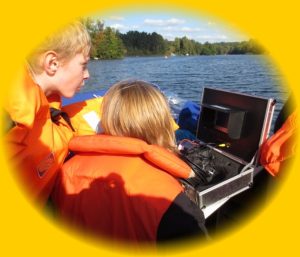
{"x":181,"y":29}
{"x":124,"y":28}
{"x":191,"y":30}
{"x":135,"y":27}
{"x":163,"y":23}
{"x":118,"y":26}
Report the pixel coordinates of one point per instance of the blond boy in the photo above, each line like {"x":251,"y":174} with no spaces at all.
{"x":37,"y":142}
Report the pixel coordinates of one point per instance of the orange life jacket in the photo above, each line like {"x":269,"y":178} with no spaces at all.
{"x":280,"y":146}
{"x":118,"y":187}
{"x":85,"y":115}
{"x":37,"y":146}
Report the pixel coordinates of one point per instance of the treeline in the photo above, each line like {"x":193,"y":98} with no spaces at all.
{"x":142,"y":43}
{"x":108,"y":43}
{"x":184,"y":46}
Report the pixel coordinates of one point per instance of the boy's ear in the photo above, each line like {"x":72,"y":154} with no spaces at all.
{"x":51,"y":62}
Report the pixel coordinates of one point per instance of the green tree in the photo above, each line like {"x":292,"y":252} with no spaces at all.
{"x":254,"y":47}
{"x":176,"y":44}
{"x":109,"y":45}
{"x":158,"y":46}
{"x":208,"y":49}
{"x":142,"y":43}
{"x":95,"y":29}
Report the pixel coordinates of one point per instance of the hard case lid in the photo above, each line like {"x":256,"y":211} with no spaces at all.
{"x":242,"y":121}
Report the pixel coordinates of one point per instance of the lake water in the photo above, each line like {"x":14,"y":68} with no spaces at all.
{"x":182,"y":78}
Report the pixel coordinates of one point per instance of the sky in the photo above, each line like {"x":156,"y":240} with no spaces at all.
{"x":201,"y":29}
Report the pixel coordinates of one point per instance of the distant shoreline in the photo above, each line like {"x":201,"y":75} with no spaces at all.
{"x":174,"y":56}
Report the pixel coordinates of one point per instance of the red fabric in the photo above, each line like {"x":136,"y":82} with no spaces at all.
{"x":118,"y":187}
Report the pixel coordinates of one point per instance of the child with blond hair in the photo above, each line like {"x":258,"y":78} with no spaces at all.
{"x":38,"y":138}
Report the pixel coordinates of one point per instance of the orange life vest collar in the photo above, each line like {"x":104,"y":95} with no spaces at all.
{"x":157,"y":155}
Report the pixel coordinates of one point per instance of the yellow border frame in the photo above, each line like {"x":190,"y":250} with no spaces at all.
{"x":272,"y":232}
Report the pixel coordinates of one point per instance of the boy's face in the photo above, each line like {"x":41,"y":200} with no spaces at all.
{"x":71,"y":75}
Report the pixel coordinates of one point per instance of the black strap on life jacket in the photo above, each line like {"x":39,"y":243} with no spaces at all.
{"x":56,"y":114}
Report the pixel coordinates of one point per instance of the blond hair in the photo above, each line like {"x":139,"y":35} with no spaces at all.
{"x":67,"y":42}
{"x":138,"y":109}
